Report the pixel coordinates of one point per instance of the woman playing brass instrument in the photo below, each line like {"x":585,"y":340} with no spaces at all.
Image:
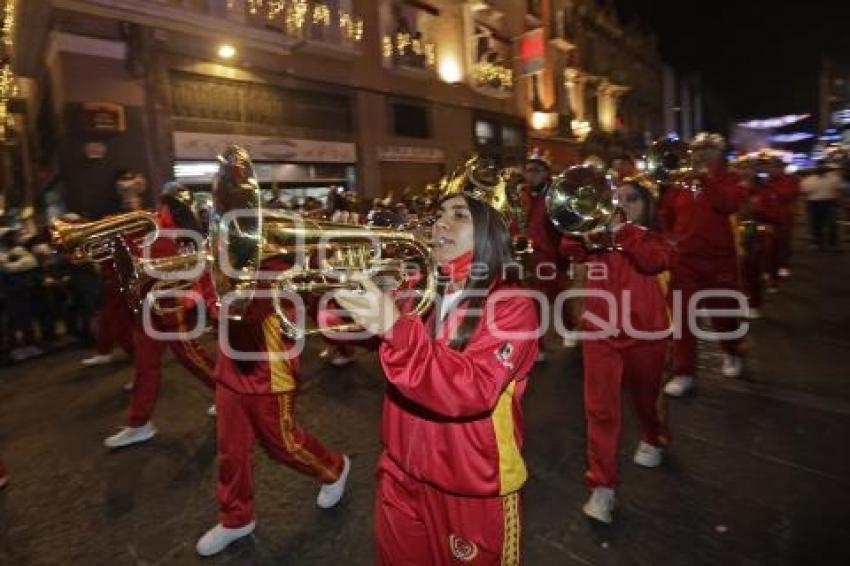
{"x":450,"y":475}
{"x":632,"y":352}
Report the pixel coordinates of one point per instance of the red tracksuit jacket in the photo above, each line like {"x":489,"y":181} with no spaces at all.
{"x":540,"y":230}
{"x":645,"y":254}
{"x":258,"y":332}
{"x":453,"y":418}
{"x":765,"y":204}
{"x":698,"y":222}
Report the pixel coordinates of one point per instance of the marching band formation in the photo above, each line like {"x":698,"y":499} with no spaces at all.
{"x":453,"y":292}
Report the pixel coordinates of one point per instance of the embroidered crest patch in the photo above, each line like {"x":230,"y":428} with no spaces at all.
{"x":462,"y":549}
{"x":504,"y":354}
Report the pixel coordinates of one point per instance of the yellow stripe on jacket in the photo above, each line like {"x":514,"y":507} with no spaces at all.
{"x":512,"y":472}
{"x":281,"y":371}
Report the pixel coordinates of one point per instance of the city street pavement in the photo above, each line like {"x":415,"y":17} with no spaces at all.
{"x":758,"y":472}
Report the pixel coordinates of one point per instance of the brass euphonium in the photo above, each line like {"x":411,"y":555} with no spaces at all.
{"x":580,"y":202}
{"x":142,"y":279}
{"x":92,"y":241}
{"x":318,"y":256}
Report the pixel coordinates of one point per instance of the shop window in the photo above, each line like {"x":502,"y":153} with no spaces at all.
{"x":511,"y":136}
{"x":410,"y":120}
{"x":485,"y":132}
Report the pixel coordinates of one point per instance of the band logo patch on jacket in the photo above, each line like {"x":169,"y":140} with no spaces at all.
{"x":504,"y":355}
{"x":462,"y":549}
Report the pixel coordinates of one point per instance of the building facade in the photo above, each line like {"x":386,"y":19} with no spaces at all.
{"x":382,"y":96}
{"x":599,"y":90}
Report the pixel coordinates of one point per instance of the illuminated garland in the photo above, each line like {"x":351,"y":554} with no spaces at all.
{"x":298,"y":16}
{"x":492,"y":75}
{"x":401,"y":45}
{"x":8,"y":85}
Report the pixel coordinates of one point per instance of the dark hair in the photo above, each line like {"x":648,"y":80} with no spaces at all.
{"x":492,"y":260}
{"x":650,"y":209}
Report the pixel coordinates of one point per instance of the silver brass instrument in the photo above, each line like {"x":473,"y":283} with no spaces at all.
{"x":92,"y":241}
{"x":319,"y":256}
{"x":580,"y":202}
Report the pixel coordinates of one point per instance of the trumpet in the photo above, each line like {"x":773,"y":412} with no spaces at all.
{"x":139,"y":278}
{"x":322,"y":256}
{"x":93,"y":241}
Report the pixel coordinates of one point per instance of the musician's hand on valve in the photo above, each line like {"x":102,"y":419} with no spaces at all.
{"x":370,"y":307}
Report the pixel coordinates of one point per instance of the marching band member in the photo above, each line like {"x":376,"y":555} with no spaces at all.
{"x":760,"y":218}
{"x":255,"y":400}
{"x":699,"y":222}
{"x":549,"y":268}
{"x":787,"y":188}
{"x":174,"y":212}
{"x":451,"y":472}
{"x":114,"y":318}
{"x":632,"y":278}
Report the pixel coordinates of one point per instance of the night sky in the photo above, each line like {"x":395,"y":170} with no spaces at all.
{"x":757,"y":58}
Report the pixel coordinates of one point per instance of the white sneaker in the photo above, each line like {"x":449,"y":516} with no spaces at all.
{"x":600,"y":506}
{"x":331,"y":493}
{"x":679,"y":385}
{"x":732,"y":365}
{"x":570,"y":342}
{"x":98,"y":360}
{"x":754,"y":314}
{"x":128,"y":386}
{"x":32,"y":351}
{"x":648,"y":456}
{"x":218,"y":538}
{"x":211,"y":412}
{"x":784,"y":272}
{"x":131,"y":435}
{"x":18,"y":354}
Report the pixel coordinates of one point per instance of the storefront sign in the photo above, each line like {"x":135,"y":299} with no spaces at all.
{"x":193,"y":145}
{"x":411,"y":154}
{"x":102,"y":118}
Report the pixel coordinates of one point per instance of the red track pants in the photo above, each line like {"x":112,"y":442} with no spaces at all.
{"x":148,"y":371}
{"x":114,"y":322}
{"x":690,"y":275}
{"x":417,"y":524}
{"x":242,"y":419}
{"x":607,"y":370}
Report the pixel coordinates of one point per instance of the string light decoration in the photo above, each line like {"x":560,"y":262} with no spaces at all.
{"x":492,"y":75}
{"x":409,"y":51}
{"x":298,"y":17}
{"x":8,"y":85}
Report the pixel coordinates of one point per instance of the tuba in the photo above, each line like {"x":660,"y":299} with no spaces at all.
{"x":320,"y":256}
{"x":580,"y":201}
{"x":93,"y":241}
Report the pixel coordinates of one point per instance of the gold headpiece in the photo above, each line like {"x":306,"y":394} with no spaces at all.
{"x":482,"y":180}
